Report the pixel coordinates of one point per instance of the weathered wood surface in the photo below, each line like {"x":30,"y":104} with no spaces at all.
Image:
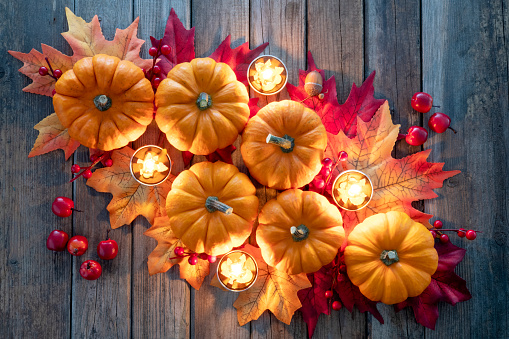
{"x":457,"y":53}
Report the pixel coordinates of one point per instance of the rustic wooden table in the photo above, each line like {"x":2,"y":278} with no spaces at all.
{"x":457,"y":51}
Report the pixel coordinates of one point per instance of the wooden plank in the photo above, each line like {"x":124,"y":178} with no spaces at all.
{"x":34,"y":282}
{"x":392,"y":36}
{"x":101,"y":308}
{"x":161,"y":303}
{"x":465,"y":59}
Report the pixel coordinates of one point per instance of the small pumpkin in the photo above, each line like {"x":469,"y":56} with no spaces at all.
{"x":201,"y":106}
{"x":390,"y":257}
{"x":283,"y":145}
{"x":299,"y":231}
{"x":104,"y":102}
{"x":212,"y":207}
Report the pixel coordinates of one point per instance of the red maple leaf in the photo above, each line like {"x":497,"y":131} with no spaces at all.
{"x":445,"y":286}
{"x":238,"y":58}
{"x":313,"y":298}
{"x":253,"y":107}
{"x":180,"y":40}
{"x":223,"y":154}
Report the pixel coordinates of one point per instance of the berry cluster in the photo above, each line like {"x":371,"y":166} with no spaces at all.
{"x":193,"y":257}
{"x":322,"y":180}
{"x":86,"y":172}
{"x":154,"y":73}
{"x":53,"y":73}
{"x":437,"y":230}
{"x":438,"y":122}
{"x":338,"y":275}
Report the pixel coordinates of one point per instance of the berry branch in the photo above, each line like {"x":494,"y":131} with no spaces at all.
{"x":87,"y":171}
{"x":156,"y":52}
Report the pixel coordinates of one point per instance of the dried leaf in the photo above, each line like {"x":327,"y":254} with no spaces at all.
{"x":53,"y":136}
{"x":238,"y":58}
{"x":32,"y":61}
{"x":160,"y":260}
{"x":273,"y":290}
{"x":396,"y":182}
{"x":130,"y":198}
{"x":223,"y":154}
{"x":87,"y":39}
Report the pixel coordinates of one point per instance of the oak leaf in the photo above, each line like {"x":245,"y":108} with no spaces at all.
{"x":130,"y":198}
{"x":43,"y":85}
{"x":273,"y":290}
{"x":53,"y":136}
{"x":163,"y":256}
{"x":396,"y":182}
{"x":86,"y":39}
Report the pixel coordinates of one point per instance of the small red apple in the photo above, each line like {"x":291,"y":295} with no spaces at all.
{"x":91,"y":270}
{"x":78,"y":245}
{"x":107,"y":249}
{"x":57,"y":240}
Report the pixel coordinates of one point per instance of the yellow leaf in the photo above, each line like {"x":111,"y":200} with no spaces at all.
{"x":130,"y":198}
{"x":273,"y":290}
{"x":52,"y":136}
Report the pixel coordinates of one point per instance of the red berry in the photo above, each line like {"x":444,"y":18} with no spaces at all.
{"x":416,"y":136}
{"x":336,"y":305}
{"x":78,"y":245}
{"x":328,"y":294}
{"x":93,"y":157}
{"x":438,"y":224}
{"x":165,"y":49}
{"x":152,"y":51}
{"x":340,"y":277}
{"x":108,"y":163}
{"x":433,"y":234}
{"x":62,"y":207}
{"x":327,"y":162}
{"x":87,"y":174}
{"x":325,"y":171}
{"x":156,"y":69}
{"x":156,"y":82}
{"x":318,"y":182}
{"x":342,"y":268}
{"x":91,"y":270}
{"x":57,"y":240}
{"x":192,"y":260}
{"x":422,"y":102}
{"x":439,"y":122}
{"x":462,"y":232}
{"x":212,"y":259}
{"x":75,"y":168}
{"x":57,"y":73}
{"x":204,"y":256}
{"x":471,"y":235}
{"x":53,"y":92}
{"x":107,"y":249}
{"x":444,"y":238}
{"x":179,"y":251}
{"x":43,"y":71}
{"x":343,"y":156}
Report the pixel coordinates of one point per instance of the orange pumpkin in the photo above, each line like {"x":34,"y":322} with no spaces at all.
{"x":283,"y":145}
{"x":104,"y":102}
{"x":390,"y":257}
{"x":212,"y":207}
{"x":201,"y":106}
{"x":299,"y":231}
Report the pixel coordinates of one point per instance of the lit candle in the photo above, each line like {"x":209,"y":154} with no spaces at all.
{"x":352,"y":190}
{"x":237,"y":271}
{"x":267,"y":75}
{"x":150,"y":165}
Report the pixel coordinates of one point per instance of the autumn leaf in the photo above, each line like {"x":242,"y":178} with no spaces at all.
{"x":34,"y":60}
{"x":396,"y":182}
{"x":445,"y":286}
{"x":253,"y":107}
{"x":273,"y":290}
{"x":180,"y":40}
{"x":238,"y":58}
{"x":53,"y":136}
{"x":223,"y":154}
{"x":163,"y":256}
{"x":86,"y":39}
{"x":130,"y":198}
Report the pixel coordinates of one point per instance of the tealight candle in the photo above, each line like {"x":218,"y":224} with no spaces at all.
{"x":150,"y":165}
{"x":237,"y":271}
{"x":267,"y":75}
{"x":352,"y":190}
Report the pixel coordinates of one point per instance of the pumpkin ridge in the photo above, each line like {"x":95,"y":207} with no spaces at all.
{"x":190,"y":227}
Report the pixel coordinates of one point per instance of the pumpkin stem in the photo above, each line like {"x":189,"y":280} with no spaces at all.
{"x":389,"y":257}
{"x":102,"y":102}
{"x":299,"y":233}
{"x":286,"y":142}
{"x":204,"y":101}
{"x":213,"y":204}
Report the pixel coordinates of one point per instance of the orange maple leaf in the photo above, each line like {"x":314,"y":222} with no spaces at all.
{"x":160,"y":260}
{"x":396,"y":182}
{"x":87,"y":39}
{"x":130,"y":198}
{"x":273,"y":290}
{"x":52,"y":136}
{"x":32,"y":61}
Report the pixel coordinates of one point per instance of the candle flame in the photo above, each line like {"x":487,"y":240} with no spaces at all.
{"x":150,"y":165}
{"x":237,"y":271}
{"x":350,"y":190}
{"x":267,"y":76}
{"x":354,"y":190}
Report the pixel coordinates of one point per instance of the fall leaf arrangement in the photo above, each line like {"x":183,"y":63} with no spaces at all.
{"x":341,"y":232}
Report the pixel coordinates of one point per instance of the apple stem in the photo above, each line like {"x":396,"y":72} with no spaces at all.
{"x":108,"y":234}
{"x":435,"y":106}
{"x":76,"y":210}
{"x":401,"y":136}
{"x":452,"y":129}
